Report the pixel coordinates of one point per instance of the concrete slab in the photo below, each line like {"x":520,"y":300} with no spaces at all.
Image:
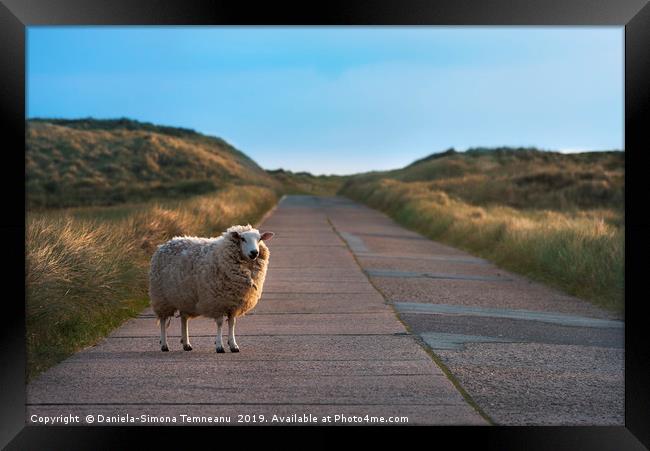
{"x":309,"y":258}
{"x":354,"y":242}
{"x":431,"y":265}
{"x":528,"y":315}
{"x":263,"y":347}
{"x":374,"y":272}
{"x":424,"y":258}
{"x":337,"y":306}
{"x":515,"y":330}
{"x":541,"y":384}
{"x":201,"y":363}
{"x":189,"y":387}
{"x":286,"y":324}
{"x":440,"y":340}
{"x":408,"y":245}
{"x":331,"y":286}
{"x":511,"y":295}
{"x":288,"y":240}
{"x":319,"y":296}
{"x":303,"y":275}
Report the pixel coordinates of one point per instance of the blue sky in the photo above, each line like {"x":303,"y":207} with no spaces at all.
{"x":341,"y":100}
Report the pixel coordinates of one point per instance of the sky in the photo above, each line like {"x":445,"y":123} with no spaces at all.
{"x":341,"y":100}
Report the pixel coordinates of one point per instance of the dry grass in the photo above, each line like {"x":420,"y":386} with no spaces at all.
{"x":107,"y":162}
{"x":306,"y":183}
{"x":85,"y":274}
{"x":576,"y":249}
{"x":520,"y":178}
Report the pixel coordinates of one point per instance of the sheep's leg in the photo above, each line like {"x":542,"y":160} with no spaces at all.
{"x":163,"y":335}
{"x":218,"y":340}
{"x":231,"y":334}
{"x":185,"y":332}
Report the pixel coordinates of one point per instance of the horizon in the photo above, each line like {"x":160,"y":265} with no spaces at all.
{"x":360,"y":99}
{"x":564,"y":151}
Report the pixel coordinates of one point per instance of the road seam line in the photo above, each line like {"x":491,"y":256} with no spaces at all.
{"x":464,"y":394}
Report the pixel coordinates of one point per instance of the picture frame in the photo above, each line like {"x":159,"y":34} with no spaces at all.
{"x":634,"y":15}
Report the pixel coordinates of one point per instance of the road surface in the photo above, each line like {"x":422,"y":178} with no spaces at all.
{"x":361,"y":322}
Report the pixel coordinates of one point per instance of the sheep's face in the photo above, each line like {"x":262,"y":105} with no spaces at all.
{"x":249,"y":242}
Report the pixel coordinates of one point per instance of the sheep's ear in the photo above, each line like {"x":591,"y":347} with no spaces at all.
{"x":235,"y":235}
{"x":266,"y":236}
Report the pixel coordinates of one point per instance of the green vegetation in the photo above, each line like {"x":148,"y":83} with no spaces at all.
{"x":306,"y":183}
{"x":107,"y":162}
{"x":522,"y":178}
{"x":556,"y":218}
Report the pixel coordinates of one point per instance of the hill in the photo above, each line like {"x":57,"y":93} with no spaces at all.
{"x":518,"y":177}
{"x":307,"y":183}
{"x":105,"y":162}
{"x":556,"y":218}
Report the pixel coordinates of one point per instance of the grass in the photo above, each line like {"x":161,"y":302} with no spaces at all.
{"x":122,"y":162}
{"x":522,"y":178}
{"x":87,"y":268}
{"x":574,"y":243}
{"x":306,"y":183}
{"x":107,"y":162}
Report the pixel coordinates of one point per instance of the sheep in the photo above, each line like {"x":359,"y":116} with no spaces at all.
{"x":209,"y":277}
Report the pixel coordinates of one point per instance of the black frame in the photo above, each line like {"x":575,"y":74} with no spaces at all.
{"x":15,"y":15}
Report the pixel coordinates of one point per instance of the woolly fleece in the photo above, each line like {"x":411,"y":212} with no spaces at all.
{"x":206,"y":276}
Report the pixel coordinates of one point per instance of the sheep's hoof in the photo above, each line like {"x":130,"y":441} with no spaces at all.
{"x":234,"y":349}
{"x":220,"y":350}
{"x":187,"y":347}
{"x":164,"y":348}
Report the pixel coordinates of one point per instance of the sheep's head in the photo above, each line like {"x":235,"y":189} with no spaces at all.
{"x":249,"y":241}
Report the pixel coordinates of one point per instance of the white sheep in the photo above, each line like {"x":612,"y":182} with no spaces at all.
{"x":210,"y":277}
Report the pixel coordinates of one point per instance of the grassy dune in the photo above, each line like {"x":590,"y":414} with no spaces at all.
{"x":306,"y":183}
{"x":108,"y":162}
{"x":87,"y":268}
{"x":555,"y":218}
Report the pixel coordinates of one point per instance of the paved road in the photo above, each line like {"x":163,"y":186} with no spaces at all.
{"x":322,"y":342}
{"x":526,"y":354}
{"x":360,"y":317}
